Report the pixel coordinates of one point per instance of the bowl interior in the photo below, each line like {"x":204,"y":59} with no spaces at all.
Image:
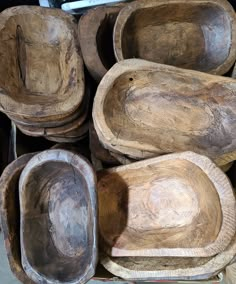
{"x":57,"y":222}
{"x":172,"y":204}
{"x":35,"y":51}
{"x":192,"y":36}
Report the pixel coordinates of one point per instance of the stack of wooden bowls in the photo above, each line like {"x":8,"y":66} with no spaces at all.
{"x":171,"y":217}
{"x":49,"y":217}
{"x":42,"y":78}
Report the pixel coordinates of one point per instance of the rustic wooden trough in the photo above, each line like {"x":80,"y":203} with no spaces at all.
{"x":198,"y":35}
{"x":144,"y":109}
{"x":96,"y":34}
{"x":170,"y":206}
{"x":10,"y":215}
{"x":58,"y":218}
{"x":42,"y":77}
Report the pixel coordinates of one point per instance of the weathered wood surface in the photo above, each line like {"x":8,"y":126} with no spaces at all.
{"x":97,"y":149}
{"x":174,"y":205}
{"x":230,"y":274}
{"x":96,"y":39}
{"x":144,"y":109}
{"x":42,"y":76}
{"x":58,"y":218}
{"x":68,"y":127}
{"x":10,"y":215}
{"x":198,"y":35}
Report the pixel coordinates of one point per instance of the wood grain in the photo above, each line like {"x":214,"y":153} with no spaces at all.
{"x":10,"y":215}
{"x":143,"y":109}
{"x":96,"y":34}
{"x":198,"y":35}
{"x":174,"y":205}
{"x":43,"y":65}
{"x":58,"y":218}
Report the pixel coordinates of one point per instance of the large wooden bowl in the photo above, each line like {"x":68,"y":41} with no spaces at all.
{"x":144,"y":109}
{"x":10,"y":215}
{"x":198,"y":35}
{"x":95,"y":33}
{"x":41,"y":69}
{"x":174,"y":205}
{"x":58,"y":218}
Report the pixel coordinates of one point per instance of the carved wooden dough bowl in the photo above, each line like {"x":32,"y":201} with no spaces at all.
{"x":174,"y":205}
{"x":144,"y":109}
{"x":74,"y":125}
{"x":95,"y":33}
{"x":10,"y":215}
{"x":194,"y":34}
{"x":58,"y":218}
{"x":166,"y":268}
{"x":42,"y":71}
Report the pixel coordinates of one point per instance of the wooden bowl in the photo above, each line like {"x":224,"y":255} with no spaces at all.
{"x":74,"y":125}
{"x":144,"y":109}
{"x":166,"y":268}
{"x":42,"y":71}
{"x":198,"y":35}
{"x":95,"y":34}
{"x":170,"y":206}
{"x":10,"y":215}
{"x":58,"y":218}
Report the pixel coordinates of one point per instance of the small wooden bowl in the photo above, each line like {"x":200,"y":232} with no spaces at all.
{"x":42,"y":71}
{"x":95,"y":34}
{"x":10,"y":215}
{"x":58,"y":218}
{"x":170,"y":206}
{"x":197,"y":35}
{"x":144,"y":109}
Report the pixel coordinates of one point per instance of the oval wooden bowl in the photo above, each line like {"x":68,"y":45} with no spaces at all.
{"x":174,"y":205}
{"x":95,"y":34}
{"x":58,"y":218}
{"x":72,"y":126}
{"x":144,"y":109}
{"x":166,"y":268}
{"x":178,"y":33}
{"x":10,"y":215}
{"x":50,"y":53}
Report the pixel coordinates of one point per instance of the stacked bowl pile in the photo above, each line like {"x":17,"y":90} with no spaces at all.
{"x":42,"y":77}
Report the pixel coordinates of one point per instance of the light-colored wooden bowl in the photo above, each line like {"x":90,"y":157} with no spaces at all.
{"x":170,"y":206}
{"x":166,"y":268}
{"x":198,"y":35}
{"x":10,"y":215}
{"x":95,"y":34}
{"x":58,"y":218}
{"x":42,"y":71}
{"x":144,"y":109}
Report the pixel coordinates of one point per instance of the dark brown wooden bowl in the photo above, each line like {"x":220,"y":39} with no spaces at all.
{"x":58,"y":218}
{"x":10,"y":215}
{"x":41,"y":69}
{"x":144,"y":109}
{"x":177,"y":205}
{"x":198,"y":35}
{"x":95,"y":34}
